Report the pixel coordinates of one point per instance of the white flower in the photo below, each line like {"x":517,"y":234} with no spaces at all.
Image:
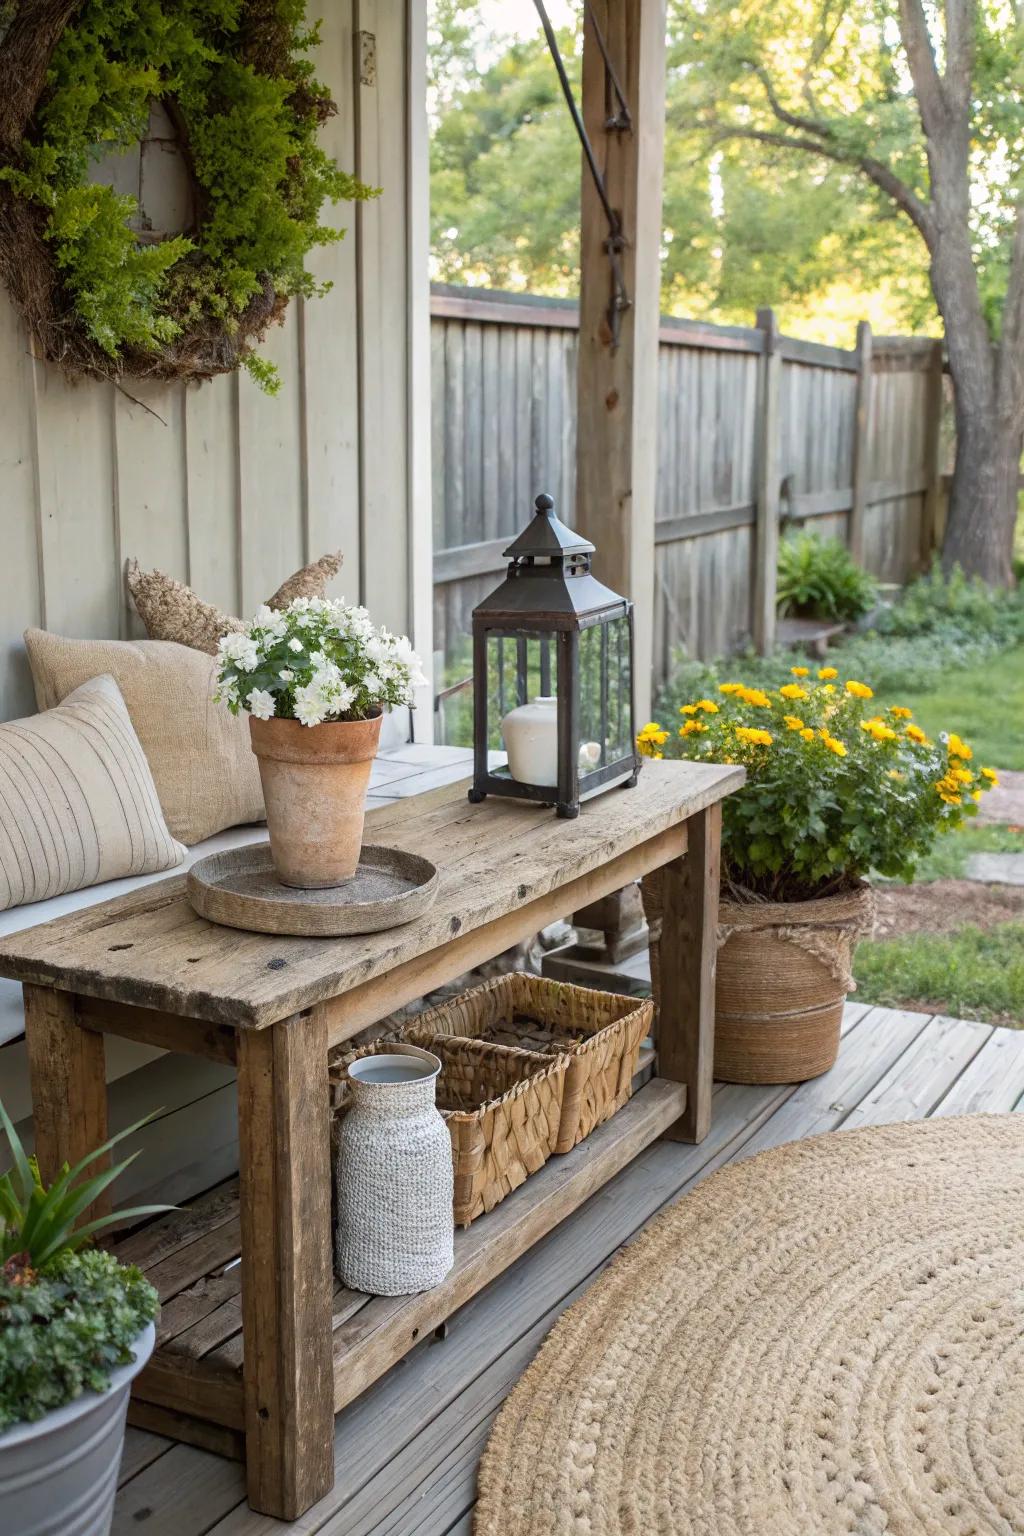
{"x":261,"y":704}
{"x":295,"y":645}
{"x":309,"y":706}
{"x":286,"y":675}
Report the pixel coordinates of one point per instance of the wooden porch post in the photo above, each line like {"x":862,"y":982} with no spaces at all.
{"x":616,"y":442}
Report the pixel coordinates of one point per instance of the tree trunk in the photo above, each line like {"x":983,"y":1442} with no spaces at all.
{"x":983,"y":502}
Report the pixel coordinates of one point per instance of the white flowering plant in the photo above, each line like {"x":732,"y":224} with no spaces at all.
{"x":315,"y":661}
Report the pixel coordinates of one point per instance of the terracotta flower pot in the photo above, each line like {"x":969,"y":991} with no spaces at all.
{"x":314,"y":784}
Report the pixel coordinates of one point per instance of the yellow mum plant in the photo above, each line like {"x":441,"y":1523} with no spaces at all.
{"x":833,"y":792}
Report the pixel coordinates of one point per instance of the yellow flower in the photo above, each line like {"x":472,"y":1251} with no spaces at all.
{"x":878,"y":729}
{"x":899,"y":712}
{"x":829,"y":688}
{"x":991,"y":775}
{"x":957,"y":747}
{"x":730,"y":688}
{"x":756,"y":697}
{"x":653,"y":735}
{"x":799,"y":671}
{"x":807,"y":733}
{"x":827,"y":674}
{"x":757,"y":738}
{"x":894,"y":773}
{"x":688,"y":709}
{"x":975,"y":794}
{"x":830,"y":741}
{"x":708,"y":706}
{"x":692,"y":728}
{"x":916,"y":734}
{"x":962,"y":775}
{"x":859,"y":690}
{"x":794,"y":722}
{"x":793,"y":691}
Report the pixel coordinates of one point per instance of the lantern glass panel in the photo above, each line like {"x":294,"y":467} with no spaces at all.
{"x":520,"y":668}
{"x":605,"y":714}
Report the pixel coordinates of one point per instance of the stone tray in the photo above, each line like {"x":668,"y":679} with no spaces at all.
{"x":240,"y":889}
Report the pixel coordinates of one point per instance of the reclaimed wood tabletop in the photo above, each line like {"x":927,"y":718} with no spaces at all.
{"x":150,"y":949}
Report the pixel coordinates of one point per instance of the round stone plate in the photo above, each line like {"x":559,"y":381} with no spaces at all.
{"x":240,"y":889}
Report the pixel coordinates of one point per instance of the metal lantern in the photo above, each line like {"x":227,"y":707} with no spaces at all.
{"x":553,"y":674}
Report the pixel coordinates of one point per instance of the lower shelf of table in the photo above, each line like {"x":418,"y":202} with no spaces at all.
{"x":192,"y":1388}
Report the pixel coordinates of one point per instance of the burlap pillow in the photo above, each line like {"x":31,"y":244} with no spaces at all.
{"x":311,"y":581}
{"x":77,"y":801}
{"x":205,"y":773}
{"x":172,"y":611}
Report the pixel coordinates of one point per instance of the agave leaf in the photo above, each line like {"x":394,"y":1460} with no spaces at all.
{"x":78,"y":1238}
{"x":69,"y":1175}
{"x":21,"y":1161}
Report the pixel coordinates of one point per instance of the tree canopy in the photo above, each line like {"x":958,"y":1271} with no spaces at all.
{"x":747,"y":223}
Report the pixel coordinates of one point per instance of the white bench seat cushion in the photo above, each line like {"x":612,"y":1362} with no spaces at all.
{"x":12,"y":1015}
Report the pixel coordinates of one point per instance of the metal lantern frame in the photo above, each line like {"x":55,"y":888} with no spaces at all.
{"x":550,"y":593}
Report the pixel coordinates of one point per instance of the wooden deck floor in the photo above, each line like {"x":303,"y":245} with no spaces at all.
{"x":406,"y":1452}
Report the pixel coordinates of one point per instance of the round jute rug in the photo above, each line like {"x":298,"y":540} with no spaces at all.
{"x":828,"y":1338}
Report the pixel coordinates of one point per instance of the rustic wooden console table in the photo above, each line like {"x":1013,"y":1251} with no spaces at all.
{"x":255,"y":1359}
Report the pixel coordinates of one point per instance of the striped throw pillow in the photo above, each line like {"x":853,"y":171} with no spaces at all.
{"x":77,"y":800}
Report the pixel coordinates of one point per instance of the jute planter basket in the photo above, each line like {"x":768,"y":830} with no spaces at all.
{"x":503,"y":1109}
{"x":783,"y":974}
{"x":601,"y":1033}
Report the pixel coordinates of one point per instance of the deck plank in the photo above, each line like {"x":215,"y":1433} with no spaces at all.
{"x":923,"y":1075}
{"x":406,"y":1451}
{"x":993,"y":1083}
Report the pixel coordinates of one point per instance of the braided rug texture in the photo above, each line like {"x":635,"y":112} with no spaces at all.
{"x":827,"y":1338}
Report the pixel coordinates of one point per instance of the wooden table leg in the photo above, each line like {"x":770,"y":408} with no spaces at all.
{"x":285,"y":1193}
{"x":67,"y":1072}
{"x":686,"y":1015}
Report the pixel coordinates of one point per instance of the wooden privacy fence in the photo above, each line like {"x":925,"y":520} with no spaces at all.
{"x":756,"y":430}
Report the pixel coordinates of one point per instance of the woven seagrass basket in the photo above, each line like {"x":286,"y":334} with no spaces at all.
{"x":782,"y":977}
{"x":503,"y":1108}
{"x":600,"y":1032}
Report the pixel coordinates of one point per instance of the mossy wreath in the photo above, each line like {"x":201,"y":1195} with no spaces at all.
{"x":77,"y":80}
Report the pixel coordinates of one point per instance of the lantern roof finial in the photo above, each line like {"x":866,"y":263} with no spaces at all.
{"x":546,"y":535}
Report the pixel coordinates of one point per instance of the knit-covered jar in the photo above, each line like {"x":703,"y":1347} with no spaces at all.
{"x":393,"y":1177}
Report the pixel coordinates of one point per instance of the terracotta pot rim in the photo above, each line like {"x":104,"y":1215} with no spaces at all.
{"x":334,"y":741}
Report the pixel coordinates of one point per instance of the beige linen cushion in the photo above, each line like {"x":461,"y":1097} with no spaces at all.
{"x":205,"y":773}
{"x":77,"y":801}
{"x":172,"y":611}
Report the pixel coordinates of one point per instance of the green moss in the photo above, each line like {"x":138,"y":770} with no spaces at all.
{"x":249,"y":105}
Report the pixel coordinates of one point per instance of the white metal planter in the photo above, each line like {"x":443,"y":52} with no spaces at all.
{"x":58,"y":1476}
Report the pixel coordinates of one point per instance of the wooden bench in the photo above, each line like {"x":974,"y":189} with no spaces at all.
{"x":256,"y":1358}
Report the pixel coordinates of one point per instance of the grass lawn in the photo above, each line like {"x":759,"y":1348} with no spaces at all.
{"x":985,"y":704}
{"x":952,"y":850}
{"x":974,"y":974}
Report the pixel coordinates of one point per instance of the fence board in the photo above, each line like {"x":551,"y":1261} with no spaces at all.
{"x":505,"y":429}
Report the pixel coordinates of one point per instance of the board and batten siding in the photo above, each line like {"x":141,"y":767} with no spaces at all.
{"x":230,"y":489}
{"x":217,"y":483}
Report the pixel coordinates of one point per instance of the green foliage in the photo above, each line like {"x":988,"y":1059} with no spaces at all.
{"x":63,"y":1332}
{"x":745,"y":224}
{"x":940,"y":603}
{"x":237,"y":77}
{"x":819,"y":579}
{"x":974,"y":973}
{"x":67,"y":1318}
{"x":834,"y":789}
{"x":37,"y":1224}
